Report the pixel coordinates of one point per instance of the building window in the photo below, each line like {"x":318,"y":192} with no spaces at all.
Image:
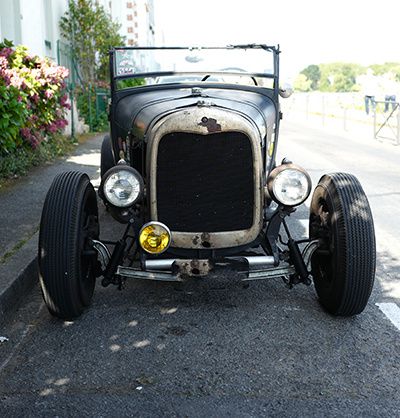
{"x":129,"y":5}
{"x":130,"y":42}
{"x":135,"y":13}
{"x":136,"y":35}
{"x":129,"y":17}
{"x":130,"y":29}
{"x":136,"y":25}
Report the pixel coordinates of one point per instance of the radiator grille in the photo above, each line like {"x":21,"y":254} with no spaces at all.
{"x":205,"y":182}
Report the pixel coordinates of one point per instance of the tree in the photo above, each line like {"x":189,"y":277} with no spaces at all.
{"x":339,"y":76}
{"x":313,"y":73}
{"x":302,"y":83}
{"x":91,"y":33}
{"x":387,"y":67}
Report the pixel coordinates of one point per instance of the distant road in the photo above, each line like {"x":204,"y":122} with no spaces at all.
{"x":376,"y":164}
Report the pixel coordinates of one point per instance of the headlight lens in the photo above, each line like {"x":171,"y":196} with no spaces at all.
{"x":289,"y":185}
{"x":122,"y":186}
{"x":155,"y":237}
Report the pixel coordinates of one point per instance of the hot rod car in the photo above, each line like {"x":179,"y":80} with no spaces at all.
{"x":190,"y":168}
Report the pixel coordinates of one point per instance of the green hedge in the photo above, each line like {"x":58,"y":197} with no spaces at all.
{"x":32,"y":99}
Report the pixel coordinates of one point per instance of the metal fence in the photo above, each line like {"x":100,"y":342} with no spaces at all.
{"x":387,"y":121}
{"x":348,"y":112}
{"x":64,"y":58}
{"x":96,"y":98}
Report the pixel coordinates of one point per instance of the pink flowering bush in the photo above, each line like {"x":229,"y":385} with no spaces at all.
{"x":32,"y":98}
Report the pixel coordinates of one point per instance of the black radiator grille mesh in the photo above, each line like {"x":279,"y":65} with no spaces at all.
{"x":205,"y":182}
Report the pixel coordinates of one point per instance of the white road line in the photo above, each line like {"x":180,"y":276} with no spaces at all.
{"x":392,"y":311}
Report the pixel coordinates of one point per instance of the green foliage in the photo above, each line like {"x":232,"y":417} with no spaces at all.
{"x":339,"y":76}
{"x":32,"y":99}
{"x":301,"y":83}
{"x":86,"y":103}
{"x":13,"y":116}
{"x":91,"y":33}
{"x":130,"y":82}
{"x":333,"y":77}
{"x":312,"y":74}
{"x":387,"y":67}
{"x":18,"y":161}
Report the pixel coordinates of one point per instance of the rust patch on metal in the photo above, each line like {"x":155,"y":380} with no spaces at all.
{"x":211,"y":124}
{"x":193,"y":268}
{"x":205,"y":240}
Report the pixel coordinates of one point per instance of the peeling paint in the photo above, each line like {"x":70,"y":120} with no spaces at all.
{"x":211,"y":124}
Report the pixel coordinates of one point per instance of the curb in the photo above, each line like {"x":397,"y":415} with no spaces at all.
{"x":18,"y":275}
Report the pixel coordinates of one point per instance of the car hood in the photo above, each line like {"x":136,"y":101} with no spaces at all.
{"x":139,"y":111}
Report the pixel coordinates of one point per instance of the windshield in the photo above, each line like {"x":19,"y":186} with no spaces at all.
{"x":182,"y":64}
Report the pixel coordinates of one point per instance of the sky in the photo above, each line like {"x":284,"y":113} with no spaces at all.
{"x":308,"y":31}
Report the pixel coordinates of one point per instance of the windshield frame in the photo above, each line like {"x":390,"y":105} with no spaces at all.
{"x":275,"y":50}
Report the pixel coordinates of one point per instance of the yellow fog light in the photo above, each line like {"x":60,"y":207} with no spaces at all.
{"x":155,"y":237}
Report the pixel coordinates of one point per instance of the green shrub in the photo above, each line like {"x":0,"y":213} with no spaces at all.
{"x":32,"y":99}
{"x":18,"y":161}
{"x":13,"y":116}
{"x":96,"y":119}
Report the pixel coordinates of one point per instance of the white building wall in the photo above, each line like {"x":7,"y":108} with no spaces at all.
{"x":136,"y":18}
{"x":10,"y":21}
{"x":33,"y":26}
{"x":33,"y":23}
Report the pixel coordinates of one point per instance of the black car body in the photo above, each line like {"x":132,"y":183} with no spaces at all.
{"x":190,"y":167}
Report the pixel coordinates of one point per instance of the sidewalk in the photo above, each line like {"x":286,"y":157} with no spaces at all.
{"x":20,"y":210}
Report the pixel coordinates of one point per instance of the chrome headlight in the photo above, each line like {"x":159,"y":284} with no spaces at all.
{"x":289,"y":185}
{"x":122,"y":186}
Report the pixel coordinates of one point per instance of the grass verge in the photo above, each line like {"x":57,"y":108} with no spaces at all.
{"x":18,"y":163}
{"x":18,"y":246}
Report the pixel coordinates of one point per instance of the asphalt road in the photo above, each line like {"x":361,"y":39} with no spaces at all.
{"x":215,"y":348}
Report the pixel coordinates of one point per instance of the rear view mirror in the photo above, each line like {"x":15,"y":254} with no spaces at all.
{"x":286,"y":90}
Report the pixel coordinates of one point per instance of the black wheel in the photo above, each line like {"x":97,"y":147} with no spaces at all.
{"x":343,"y":267}
{"x":66,"y":265}
{"x":107,"y":157}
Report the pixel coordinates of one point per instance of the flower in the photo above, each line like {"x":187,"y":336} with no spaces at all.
{"x":49,"y":93}
{"x":3,"y":63}
{"x":38,"y":86}
{"x":6,"y":52}
{"x":64,"y":101}
{"x":25,"y":133}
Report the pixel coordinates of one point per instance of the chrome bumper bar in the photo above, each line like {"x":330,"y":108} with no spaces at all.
{"x":177,"y":270}
{"x":253,"y":262}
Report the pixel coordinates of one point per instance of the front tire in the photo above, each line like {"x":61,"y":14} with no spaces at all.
{"x":66,"y":264}
{"x":343,"y":267}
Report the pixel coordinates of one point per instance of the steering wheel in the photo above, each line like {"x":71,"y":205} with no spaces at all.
{"x":238,"y":70}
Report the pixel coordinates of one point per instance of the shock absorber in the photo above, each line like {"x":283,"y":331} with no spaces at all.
{"x":296,"y":258}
